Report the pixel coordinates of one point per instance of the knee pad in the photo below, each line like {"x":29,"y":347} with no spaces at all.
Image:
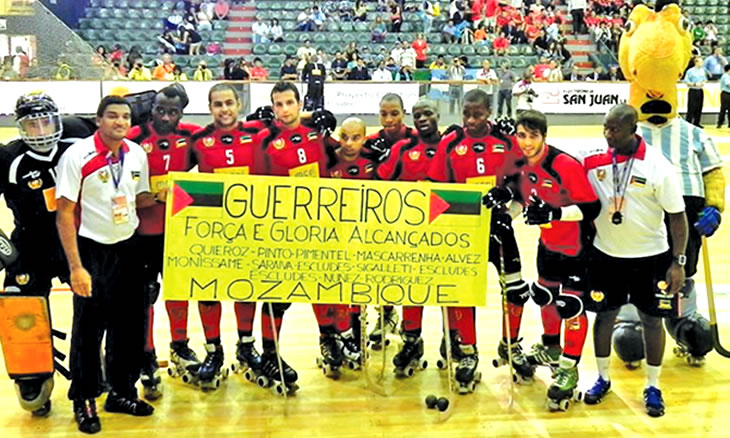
{"x":152,"y":291}
{"x":569,"y":306}
{"x":517,"y":292}
{"x":542,"y":295}
{"x":693,"y":332}
{"x":628,"y":341}
{"x":628,"y":313}
{"x":33,"y":393}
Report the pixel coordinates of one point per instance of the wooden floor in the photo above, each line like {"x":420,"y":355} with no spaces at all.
{"x":697,"y":398}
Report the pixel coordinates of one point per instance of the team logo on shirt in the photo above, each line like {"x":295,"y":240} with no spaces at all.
{"x":135,"y":175}
{"x":547,"y":184}
{"x":181,"y":143}
{"x":244,"y":139}
{"x":532,"y":177}
{"x":601,"y":174}
{"x":368,"y":168}
{"x":35,"y":184}
{"x":414,"y":155}
{"x":104,"y":175}
{"x":461,"y":149}
{"x":278,"y":143}
{"x":498,"y":148}
{"x":353,"y":170}
{"x":22,"y":279}
{"x":296,"y":138}
{"x":478,"y":147}
{"x":227,"y":139}
{"x":312,"y":136}
{"x":147,"y":147}
{"x":163,"y":144}
{"x":597,"y":296}
{"x":336,"y":174}
{"x":638,"y":181}
{"x":208,"y":141}
{"x":430,"y":152}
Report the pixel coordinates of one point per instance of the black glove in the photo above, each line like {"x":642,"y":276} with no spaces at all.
{"x":376,"y":149}
{"x":501,"y":226}
{"x":497,"y":196}
{"x":263,"y":113}
{"x":538,"y":212}
{"x":8,"y":252}
{"x":324,"y":121}
{"x":505,"y":126}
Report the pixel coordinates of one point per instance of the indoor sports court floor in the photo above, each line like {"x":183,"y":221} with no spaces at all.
{"x":698,"y":399}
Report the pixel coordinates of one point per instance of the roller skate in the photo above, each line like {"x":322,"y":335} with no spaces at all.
{"x":271,"y":376}
{"x":653,"y":401}
{"x":455,"y":350}
{"x":379,"y":334}
{"x":410,"y":357}
{"x":597,"y":392}
{"x":150,"y":376}
{"x":541,"y":355}
{"x":248,"y":360}
{"x":682,"y":352}
{"x":351,"y":349}
{"x":564,"y":390}
{"x":522,"y":370}
{"x":211,"y":372}
{"x":184,"y":362}
{"x":332,"y":358}
{"x":466,"y":374}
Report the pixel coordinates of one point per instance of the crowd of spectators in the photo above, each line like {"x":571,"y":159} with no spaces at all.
{"x":181,"y":34}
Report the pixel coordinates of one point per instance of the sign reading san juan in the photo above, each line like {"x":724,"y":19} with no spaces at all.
{"x":257,"y":238}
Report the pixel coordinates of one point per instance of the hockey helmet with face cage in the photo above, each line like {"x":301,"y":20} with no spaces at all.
{"x":39,"y":121}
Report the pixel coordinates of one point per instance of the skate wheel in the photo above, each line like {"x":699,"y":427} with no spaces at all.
{"x":633,"y":365}
{"x":186,"y":378}
{"x":423,"y":365}
{"x":225,"y":373}
{"x":262,"y":381}
{"x":564,"y":404}
{"x":280,"y":388}
{"x":217,"y":383}
{"x":170,"y":372}
{"x":677,"y":351}
{"x":387,"y":342}
{"x":376,"y":346}
{"x":515,"y":378}
{"x":351,"y":365}
{"x":472,"y":386}
{"x":477,"y":377}
{"x":319,"y":362}
{"x":441,"y":364}
{"x":409,"y":371}
{"x":496,"y":363}
{"x":249,"y":375}
{"x":578,"y":396}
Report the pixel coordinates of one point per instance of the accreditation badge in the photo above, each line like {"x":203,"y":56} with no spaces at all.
{"x":120,"y":210}
{"x":310,"y":170}
{"x":236,"y":170}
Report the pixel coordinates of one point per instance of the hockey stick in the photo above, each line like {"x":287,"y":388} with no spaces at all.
{"x":365,"y":354}
{"x":445,"y":415}
{"x":284,"y":388}
{"x":505,"y":315}
{"x":385,"y":344}
{"x":711,"y":301}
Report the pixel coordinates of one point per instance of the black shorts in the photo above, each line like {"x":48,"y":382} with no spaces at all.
{"x":569,"y":271}
{"x":617,"y":281}
{"x":151,"y":250}
{"x":35,"y":269}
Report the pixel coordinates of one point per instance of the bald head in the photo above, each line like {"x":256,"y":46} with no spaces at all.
{"x":624,"y":113}
{"x":352,"y":137}
{"x":425,"y":102}
{"x":619,"y":128}
{"x":353,"y":125}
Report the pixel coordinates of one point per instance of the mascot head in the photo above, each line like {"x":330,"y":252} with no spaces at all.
{"x":653,"y":53}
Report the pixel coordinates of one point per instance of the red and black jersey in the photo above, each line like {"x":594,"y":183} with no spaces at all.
{"x":281,"y":151}
{"x":387,"y":142}
{"x":360,"y":168}
{"x":165,"y":153}
{"x":559,"y":180}
{"x":232,"y":151}
{"x":409,"y":160}
{"x":461,"y":158}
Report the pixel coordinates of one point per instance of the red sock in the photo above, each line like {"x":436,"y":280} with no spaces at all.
{"x":210,"y":316}
{"x":267,"y":334}
{"x":412,"y":318}
{"x":245,"y":313}
{"x":463,"y":321}
{"x":177,"y":313}
{"x":515,"y":320}
{"x":576,"y":330}
{"x":550,"y":320}
{"x":325,"y":314}
{"x":150,"y":341}
{"x":354,"y":310}
{"x":342,"y":317}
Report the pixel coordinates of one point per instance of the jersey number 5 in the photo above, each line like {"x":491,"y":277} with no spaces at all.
{"x":229,"y":157}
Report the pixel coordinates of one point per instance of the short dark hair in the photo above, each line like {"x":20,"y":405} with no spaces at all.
{"x":392,"y":97}
{"x":222,"y":87}
{"x":111,"y":100}
{"x":480,"y":97}
{"x":727,"y":67}
{"x":172,"y":92}
{"x":283,"y":86}
{"x":532,"y":120}
{"x":257,"y":59}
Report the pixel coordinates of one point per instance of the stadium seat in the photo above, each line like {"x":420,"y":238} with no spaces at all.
{"x":103,"y":13}
{"x":518,"y":62}
{"x":134,"y":14}
{"x":123,"y":4}
{"x":290,"y":49}
{"x":259,"y":49}
{"x":263,"y":6}
{"x":167,"y":5}
{"x":527,"y":50}
{"x":454,"y":50}
{"x":348,"y":38}
{"x":94,"y":3}
{"x":468,"y":50}
{"x":220,"y":25}
{"x":107,"y":3}
{"x":136,"y":4}
{"x":513,"y":50}
{"x":84,"y":23}
{"x":288,"y":25}
{"x":274,"y":49}
{"x":334,"y":38}
{"x":484,"y":50}
{"x":319,"y":38}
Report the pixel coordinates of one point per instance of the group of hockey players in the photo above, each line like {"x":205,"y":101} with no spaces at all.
{"x":589,"y":209}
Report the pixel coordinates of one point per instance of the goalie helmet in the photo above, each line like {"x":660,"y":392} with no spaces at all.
{"x":39,"y":121}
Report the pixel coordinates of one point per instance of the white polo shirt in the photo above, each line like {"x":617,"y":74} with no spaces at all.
{"x":652,"y":189}
{"x":85,"y":172}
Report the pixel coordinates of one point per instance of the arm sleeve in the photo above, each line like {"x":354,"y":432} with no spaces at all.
{"x":259,"y":154}
{"x":387,"y":168}
{"x":143,"y":185}
{"x":668,"y":190}
{"x":69,"y":177}
{"x":437,"y":169}
{"x":709,"y":155}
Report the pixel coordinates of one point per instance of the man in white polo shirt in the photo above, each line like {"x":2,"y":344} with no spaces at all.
{"x":632,"y":260}
{"x":105,"y":178}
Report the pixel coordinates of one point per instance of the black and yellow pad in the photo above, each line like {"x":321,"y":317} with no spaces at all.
{"x":25,"y":335}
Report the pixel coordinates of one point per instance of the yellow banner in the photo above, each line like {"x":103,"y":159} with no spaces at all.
{"x":260,"y":238}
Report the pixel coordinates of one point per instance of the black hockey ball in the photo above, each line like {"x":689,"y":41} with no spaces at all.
{"x":431,"y":401}
{"x":443,"y":404}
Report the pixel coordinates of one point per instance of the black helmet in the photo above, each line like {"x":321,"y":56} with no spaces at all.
{"x":39,"y":121}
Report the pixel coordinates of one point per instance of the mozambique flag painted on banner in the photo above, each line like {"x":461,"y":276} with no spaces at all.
{"x":451,"y":207}
{"x":205,"y":197}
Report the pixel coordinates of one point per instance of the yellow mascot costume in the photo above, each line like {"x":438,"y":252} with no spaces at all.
{"x":653,"y":54}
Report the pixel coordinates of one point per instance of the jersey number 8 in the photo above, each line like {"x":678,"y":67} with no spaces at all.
{"x":301,"y":155}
